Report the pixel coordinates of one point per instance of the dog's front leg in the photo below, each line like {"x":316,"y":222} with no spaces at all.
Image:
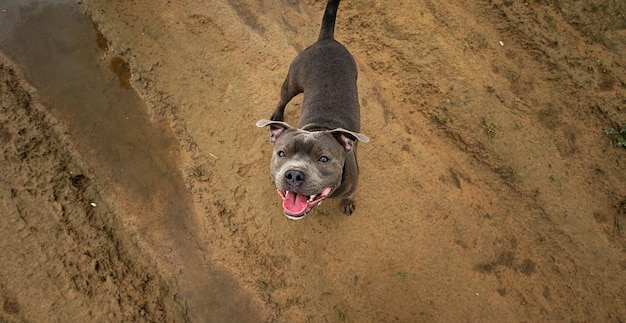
{"x":287,"y":92}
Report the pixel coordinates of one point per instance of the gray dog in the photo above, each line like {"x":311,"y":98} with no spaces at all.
{"x":318,"y":159}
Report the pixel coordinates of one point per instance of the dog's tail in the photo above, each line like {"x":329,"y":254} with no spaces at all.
{"x":328,"y":22}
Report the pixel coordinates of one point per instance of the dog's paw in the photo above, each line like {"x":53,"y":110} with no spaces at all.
{"x":348,"y":206}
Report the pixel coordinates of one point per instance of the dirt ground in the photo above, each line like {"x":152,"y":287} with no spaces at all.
{"x":489,"y":190}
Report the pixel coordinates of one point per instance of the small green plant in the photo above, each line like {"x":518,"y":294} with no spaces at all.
{"x":402,"y":275}
{"x":342,"y":316}
{"x":320,"y":211}
{"x":490,"y":128}
{"x":618,"y":135}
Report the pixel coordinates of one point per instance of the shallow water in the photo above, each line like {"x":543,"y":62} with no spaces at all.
{"x":63,"y":55}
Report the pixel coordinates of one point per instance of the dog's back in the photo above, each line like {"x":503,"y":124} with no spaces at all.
{"x":327,"y":74}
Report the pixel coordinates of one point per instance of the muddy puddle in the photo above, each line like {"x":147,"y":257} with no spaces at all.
{"x":134,"y":159}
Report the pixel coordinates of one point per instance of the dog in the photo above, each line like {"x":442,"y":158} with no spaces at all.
{"x":318,"y":160}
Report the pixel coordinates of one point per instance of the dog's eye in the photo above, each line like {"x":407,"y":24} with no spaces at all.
{"x":281,"y":154}
{"x":324,"y":159}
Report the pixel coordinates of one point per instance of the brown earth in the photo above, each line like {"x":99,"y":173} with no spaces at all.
{"x":489,"y":190}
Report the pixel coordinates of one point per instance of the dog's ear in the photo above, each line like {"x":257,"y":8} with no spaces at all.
{"x":276,"y":128}
{"x":347,"y":138}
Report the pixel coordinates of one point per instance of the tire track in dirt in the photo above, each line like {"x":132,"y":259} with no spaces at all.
{"x":60,"y":252}
{"x":133,"y":159}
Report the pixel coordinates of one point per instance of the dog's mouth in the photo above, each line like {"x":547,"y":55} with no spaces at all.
{"x":296,"y":205}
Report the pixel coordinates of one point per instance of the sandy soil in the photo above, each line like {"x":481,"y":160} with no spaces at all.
{"x":489,"y":190}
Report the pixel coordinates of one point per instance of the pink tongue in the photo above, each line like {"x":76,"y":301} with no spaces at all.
{"x":295,"y":203}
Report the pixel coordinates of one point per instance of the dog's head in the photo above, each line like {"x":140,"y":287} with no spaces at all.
{"x":307,"y":166}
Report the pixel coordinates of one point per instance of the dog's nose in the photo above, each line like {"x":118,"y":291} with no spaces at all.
{"x":294,"y":177}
